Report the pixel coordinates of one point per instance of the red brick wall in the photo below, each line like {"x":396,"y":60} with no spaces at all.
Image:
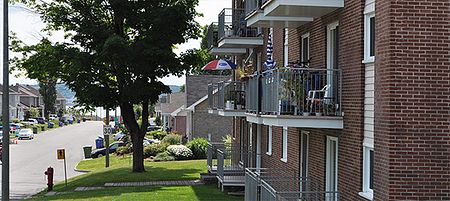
{"x":412,"y":90}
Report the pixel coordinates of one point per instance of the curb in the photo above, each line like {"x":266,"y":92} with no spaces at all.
{"x":82,"y":171}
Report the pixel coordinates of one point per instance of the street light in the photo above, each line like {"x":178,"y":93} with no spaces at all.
{"x":5,"y":106}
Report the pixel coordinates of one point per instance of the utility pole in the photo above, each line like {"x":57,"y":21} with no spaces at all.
{"x":5,"y":106}
{"x":107,"y":141}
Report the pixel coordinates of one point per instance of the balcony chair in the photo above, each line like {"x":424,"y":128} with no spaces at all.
{"x":315,"y":97}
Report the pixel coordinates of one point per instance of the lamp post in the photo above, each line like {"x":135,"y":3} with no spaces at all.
{"x":5,"y":106}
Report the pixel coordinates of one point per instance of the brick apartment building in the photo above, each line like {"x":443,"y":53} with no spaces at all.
{"x":357,"y":107}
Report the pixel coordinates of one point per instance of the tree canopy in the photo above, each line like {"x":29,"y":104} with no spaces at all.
{"x":116,"y":53}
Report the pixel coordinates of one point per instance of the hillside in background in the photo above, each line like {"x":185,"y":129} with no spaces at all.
{"x":70,"y":95}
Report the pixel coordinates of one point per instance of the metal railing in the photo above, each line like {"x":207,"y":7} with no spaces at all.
{"x":301,"y":91}
{"x":231,"y":163}
{"x":211,"y":159}
{"x":252,"y":95}
{"x":252,"y":6}
{"x":283,"y":185}
{"x":229,"y":96}
{"x":232,"y":23}
{"x":212,"y":35}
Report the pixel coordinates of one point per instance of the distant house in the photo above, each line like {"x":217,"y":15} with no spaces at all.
{"x":61,"y":102}
{"x":29,"y":98}
{"x":15,"y":109}
{"x":168,"y":104}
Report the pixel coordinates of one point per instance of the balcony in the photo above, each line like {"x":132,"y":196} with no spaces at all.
{"x":233,"y":31}
{"x":227,"y":99}
{"x":287,"y":13}
{"x":296,"y":97}
{"x":283,"y":185}
{"x":212,"y":43}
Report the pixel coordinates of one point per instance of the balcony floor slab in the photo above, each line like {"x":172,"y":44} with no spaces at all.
{"x":303,"y":121}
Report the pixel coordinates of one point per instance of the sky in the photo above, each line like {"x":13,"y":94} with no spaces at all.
{"x":28,"y":26}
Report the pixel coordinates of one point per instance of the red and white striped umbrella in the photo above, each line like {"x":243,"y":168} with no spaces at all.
{"x":220,"y":64}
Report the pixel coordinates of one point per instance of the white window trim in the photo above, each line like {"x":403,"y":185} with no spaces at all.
{"x":367,"y":192}
{"x":306,"y":35}
{"x":327,"y":176}
{"x":367,"y":58}
{"x":269,"y":141}
{"x":305,"y":134}
{"x":284,"y":144}
{"x":286,"y":47}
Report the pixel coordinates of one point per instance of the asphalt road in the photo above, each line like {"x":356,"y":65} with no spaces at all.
{"x":31,"y":158}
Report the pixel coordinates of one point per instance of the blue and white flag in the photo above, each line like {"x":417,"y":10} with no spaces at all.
{"x":270,"y":63}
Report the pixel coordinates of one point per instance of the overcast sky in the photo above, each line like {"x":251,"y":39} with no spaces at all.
{"x":28,"y":28}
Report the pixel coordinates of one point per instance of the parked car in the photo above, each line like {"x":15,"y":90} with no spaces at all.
{"x":26,"y":133}
{"x":112,"y":148}
{"x":118,"y":136}
{"x":40,"y":120}
{"x":151,"y":141}
{"x":30,"y":122}
{"x":53,"y":117}
{"x":153,"y":128}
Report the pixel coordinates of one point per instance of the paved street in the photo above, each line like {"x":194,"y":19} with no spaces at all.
{"x":30,"y":158}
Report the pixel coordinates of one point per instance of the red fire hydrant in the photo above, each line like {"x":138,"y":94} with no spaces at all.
{"x":49,"y":174}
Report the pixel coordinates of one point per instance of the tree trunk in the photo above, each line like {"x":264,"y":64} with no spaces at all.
{"x":137,"y":136}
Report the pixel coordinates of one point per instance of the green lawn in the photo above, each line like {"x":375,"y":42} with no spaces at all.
{"x":120,"y":171}
{"x":164,"y":193}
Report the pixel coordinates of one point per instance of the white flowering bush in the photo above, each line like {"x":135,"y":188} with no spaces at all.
{"x":180,"y":152}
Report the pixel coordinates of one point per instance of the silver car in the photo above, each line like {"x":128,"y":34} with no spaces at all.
{"x":26,"y":133}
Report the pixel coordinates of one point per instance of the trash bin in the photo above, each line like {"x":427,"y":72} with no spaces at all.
{"x":99,"y":143}
{"x":78,"y":121}
{"x":70,"y":121}
{"x":51,"y":125}
{"x":60,"y":124}
{"x":35,"y":130}
{"x":87,"y":151}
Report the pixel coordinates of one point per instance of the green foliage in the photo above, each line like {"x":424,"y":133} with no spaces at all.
{"x":154,"y":149}
{"x":164,"y":156}
{"x":122,"y":151}
{"x":227,"y":141}
{"x":172,"y":139}
{"x":34,"y":112}
{"x":157,"y":134}
{"x":47,"y":89}
{"x":180,"y":152}
{"x":15,"y":120}
{"x":199,"y":147}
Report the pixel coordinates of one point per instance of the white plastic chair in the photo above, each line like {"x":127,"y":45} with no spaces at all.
{"x":314,"y":96}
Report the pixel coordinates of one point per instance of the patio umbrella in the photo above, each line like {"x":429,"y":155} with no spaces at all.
{"x":220,"y":64}
{"x":270,"y":63}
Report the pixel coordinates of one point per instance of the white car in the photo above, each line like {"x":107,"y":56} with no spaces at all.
{"x":26,"y":133}
{"x":30,"y":122}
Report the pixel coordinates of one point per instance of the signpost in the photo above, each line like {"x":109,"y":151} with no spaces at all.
{"x":107,"y":131}
{"x":61,"y":155}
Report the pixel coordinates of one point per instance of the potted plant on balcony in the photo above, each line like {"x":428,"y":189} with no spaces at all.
{"x":319,"y":107}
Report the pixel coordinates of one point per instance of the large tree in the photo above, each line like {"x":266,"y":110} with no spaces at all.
{"x":117,"y":53}
{"x":47,"y":89}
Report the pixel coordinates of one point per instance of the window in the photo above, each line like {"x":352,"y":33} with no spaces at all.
{"x":284,"y":145}
{"x":368,"y":158}
{"x":369,"y":32}
{"x":269,"y":140}
{"x":305,"y":48}
{"x":331,"y":174}
{"x":286,"y":47}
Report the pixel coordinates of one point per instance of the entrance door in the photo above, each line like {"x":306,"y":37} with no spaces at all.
{"x":331,"y":168}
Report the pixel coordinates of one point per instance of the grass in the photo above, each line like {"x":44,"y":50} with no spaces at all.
{"x":161,"y":193}
{"x":120,"y":171}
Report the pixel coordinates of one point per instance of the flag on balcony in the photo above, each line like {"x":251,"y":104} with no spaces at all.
{"x":220,"y":64}
{"x":270,"y":63}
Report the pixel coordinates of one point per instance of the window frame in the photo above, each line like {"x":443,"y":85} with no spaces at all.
{"x":369,"y":13}
{"x":305,"y":36}
{"x":367,"y":192}
{"x":284,"y":145}
{"x":286,"y":47}
{"x":269,"y":140}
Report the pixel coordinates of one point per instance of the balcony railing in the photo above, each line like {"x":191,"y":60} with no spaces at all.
{"x":231,"y":164}
{"x":232,"y":23}
{"x":301,"y":91}
{"x":212,"y":155}
{"x":283,"y":185}
{"x":252,"y":6}
{"x":252,"y":100}
{"x":212,"y":35}
{"x":227,"y":96}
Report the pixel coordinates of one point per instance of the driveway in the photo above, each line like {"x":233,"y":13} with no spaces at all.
{"x":30,"y":158}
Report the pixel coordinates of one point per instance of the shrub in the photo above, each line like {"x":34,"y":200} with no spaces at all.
{"x":180,"y":152}
{"x":158,"y":134}
{"x":172,"y":139}
{"x":199,"y":147}
{"x":123,"y":150}
{"x":164,"y":156}
{"x":15,"y":120}
{"x":227,"y":141}
{"x":154,"y":149}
